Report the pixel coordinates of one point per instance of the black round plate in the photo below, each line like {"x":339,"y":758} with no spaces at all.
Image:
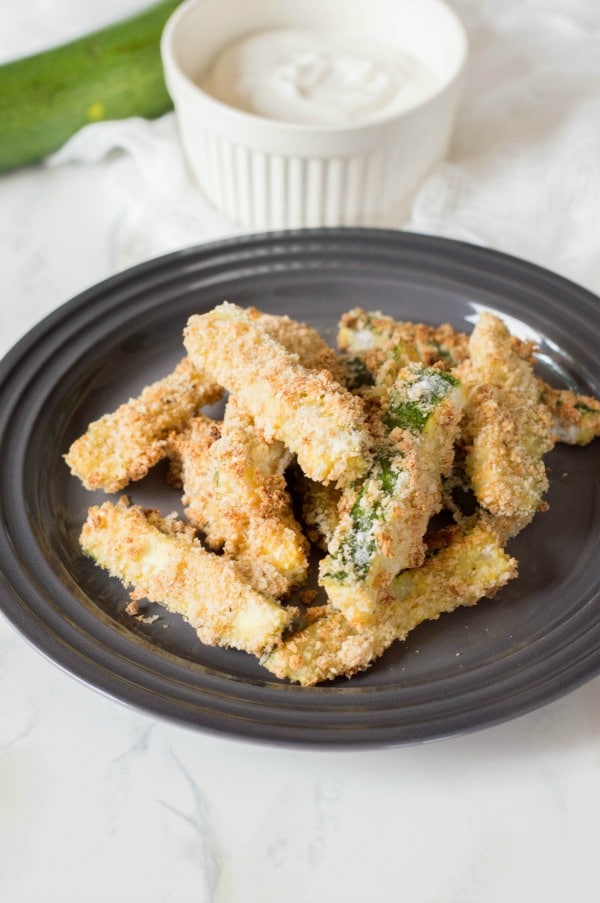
{"x":537,"y":639}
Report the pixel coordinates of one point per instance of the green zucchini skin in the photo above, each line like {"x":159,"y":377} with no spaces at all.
{"x":113,"y":73}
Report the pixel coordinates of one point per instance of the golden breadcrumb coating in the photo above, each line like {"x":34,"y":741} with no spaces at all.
{"x":122,"y":446}
{"x":361,"y":332}
{"x":310,"y":412}
{"x":496,"y":357}
{"x":575,"y":418}
{"x":298,"y":338}
{"x":472,"y":566}
{"x":187,"y":450}
{"x":508,"y":430}
{"x":160,"y":559}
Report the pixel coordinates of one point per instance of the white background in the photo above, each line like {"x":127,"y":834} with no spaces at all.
{"x":100,"y":803}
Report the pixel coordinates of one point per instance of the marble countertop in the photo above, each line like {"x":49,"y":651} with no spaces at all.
{"x":101,"y":802}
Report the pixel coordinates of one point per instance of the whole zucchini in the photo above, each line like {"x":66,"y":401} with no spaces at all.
{"x":113,"y":73}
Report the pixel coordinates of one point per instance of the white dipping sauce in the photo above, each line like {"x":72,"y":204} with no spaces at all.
{"x":316,"y":78}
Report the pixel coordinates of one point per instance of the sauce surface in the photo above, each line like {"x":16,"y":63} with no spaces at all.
{"x":316,"y":78}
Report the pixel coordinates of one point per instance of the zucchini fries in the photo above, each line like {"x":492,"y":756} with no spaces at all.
{"x":307,"y":537}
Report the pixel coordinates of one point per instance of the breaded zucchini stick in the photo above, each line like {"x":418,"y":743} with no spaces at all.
{"x":122,"y":446}
{"x":160,"y":559}
{"x":383,"y":518}
{"x":310,"y":412}
{"x":508,"y":430}
{"x":575,"y":418}
{"x":235,"y":492}
{"x":376,"y":338}
{"x":472,"y":566}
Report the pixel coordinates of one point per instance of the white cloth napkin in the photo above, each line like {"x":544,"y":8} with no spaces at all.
{"x":522,"y":176}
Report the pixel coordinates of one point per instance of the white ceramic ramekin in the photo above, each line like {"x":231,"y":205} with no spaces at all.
{"x":267,"y":174}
